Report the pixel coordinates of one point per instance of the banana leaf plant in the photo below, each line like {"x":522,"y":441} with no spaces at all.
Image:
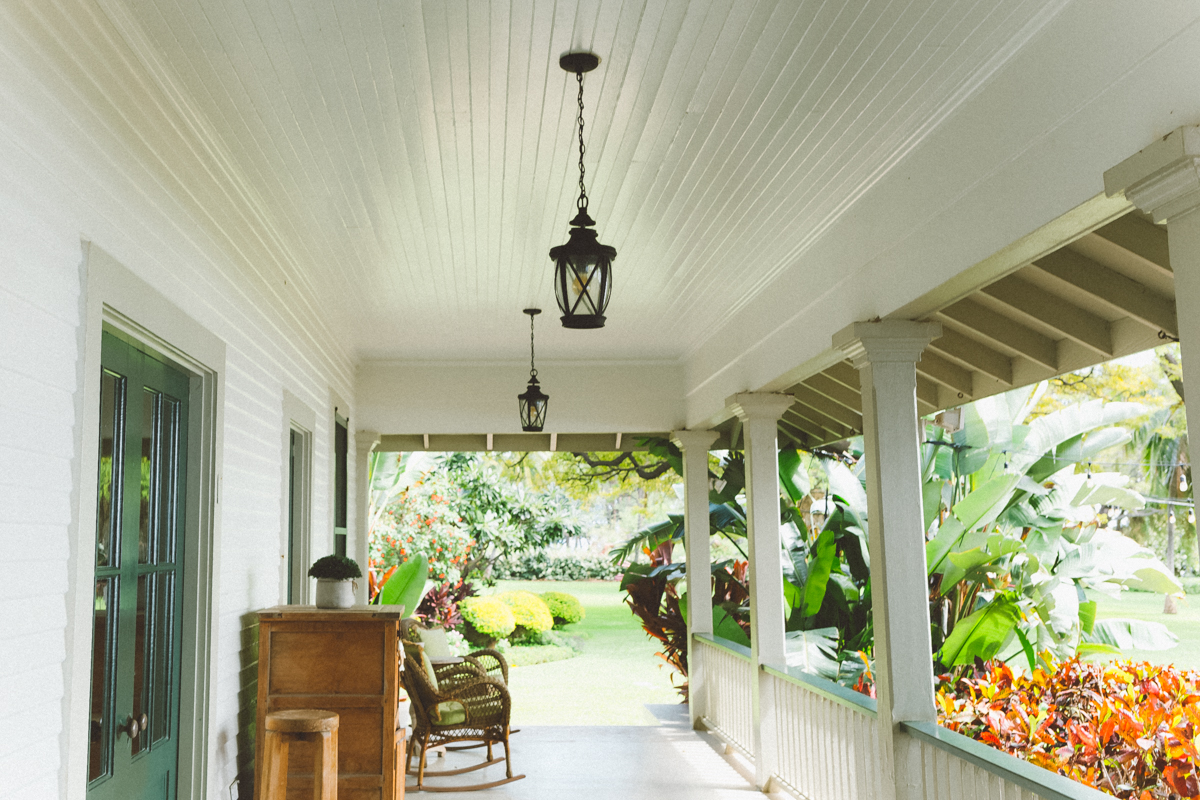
{"x":1013,"y":542}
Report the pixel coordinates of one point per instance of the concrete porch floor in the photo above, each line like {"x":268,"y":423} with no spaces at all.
{"x":668,"y":761}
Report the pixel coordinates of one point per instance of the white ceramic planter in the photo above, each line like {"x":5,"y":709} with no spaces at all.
{"x":334,"y":594}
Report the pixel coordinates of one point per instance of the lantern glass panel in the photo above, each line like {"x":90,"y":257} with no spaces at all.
{"x":533,"y":412}
{"x":583,"y":284}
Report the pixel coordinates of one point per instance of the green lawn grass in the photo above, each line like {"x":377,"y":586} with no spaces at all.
{"x":1143,"y":605}
{"x":613,"y":679}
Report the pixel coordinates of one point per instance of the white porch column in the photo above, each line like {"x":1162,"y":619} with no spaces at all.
{"x":694,"y":445}
{"x":365,"y":443}
{"x":885,"y":354}
{"x":1164,"y":181}
{"x":760,"y":415}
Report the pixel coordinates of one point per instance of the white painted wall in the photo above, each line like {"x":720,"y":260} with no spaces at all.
{"x":631,"y":397}
{"x":1104,"y":79}
{"x":90,"y":150}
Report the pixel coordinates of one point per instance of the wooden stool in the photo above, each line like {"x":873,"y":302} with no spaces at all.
{"x":299,"y":725}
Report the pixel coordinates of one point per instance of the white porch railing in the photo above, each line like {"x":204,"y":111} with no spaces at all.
{"x":728,"y":672}
{"x":829,"y":746}
{"x":828,"y":738}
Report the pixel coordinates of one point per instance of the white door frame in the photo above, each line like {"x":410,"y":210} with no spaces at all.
{"x":301,"y":419}
{"x":117,"y":301}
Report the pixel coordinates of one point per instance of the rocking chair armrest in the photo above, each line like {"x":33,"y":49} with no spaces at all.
{"x":482,"y":657}
{"x":465,"y":670}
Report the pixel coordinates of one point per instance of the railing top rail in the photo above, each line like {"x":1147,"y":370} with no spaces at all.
{"x":867,"y":706}
{"x":741,"y":651}
{"x":1042,"y":782}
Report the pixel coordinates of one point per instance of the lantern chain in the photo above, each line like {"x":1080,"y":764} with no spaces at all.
{"x":532,"y":368}
{"x":582,"y":203}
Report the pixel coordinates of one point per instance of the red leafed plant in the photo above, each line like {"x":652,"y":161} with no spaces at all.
{"x":1127,"y":728}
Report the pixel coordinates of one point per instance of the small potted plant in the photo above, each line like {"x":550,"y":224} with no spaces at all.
{"x":335,"y":581}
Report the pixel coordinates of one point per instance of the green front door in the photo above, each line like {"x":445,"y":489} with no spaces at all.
{"x":134,"y":738}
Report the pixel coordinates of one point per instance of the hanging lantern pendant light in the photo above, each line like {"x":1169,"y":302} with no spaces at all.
{"x":532,"y":402}
{"x":582,"y":266}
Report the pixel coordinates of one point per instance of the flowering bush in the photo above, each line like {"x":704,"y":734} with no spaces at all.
{"x":420,"y":521}
{"x":1127,"y":728}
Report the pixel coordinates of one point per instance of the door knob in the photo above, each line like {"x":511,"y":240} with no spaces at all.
{"x":131,"y":728}
{"x":145,"y":723}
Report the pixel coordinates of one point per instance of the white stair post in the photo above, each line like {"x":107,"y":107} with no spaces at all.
{"x":365,"y":443}
{"x":885,"y":354}
{"x":694,"y":445}
{"x":1163,"y":180}
{"x":760,"y":413}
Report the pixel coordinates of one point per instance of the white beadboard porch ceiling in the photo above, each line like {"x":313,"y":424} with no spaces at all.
{"x":418,"y":158}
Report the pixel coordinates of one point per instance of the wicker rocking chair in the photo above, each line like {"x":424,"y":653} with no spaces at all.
{"x":458,"y":703}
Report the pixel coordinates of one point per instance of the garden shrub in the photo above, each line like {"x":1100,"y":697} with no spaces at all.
{"x":564,"y":608}
{"x":542,"y":566}
{"x":486,"y":619}
{"x":1127,"y":728}
{"x":530,"y":613}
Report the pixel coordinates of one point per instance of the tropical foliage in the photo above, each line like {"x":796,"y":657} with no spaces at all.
{"x":1014,"y":544}
{"x":503,"y":517}
{"x":1015,"y":540}
{"x":1127,"y":728}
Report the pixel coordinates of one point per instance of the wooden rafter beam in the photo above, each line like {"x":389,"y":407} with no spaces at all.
{"x":806,"y":437}
{"x":844,"y":373}
{"x":927,"y":396}
{"x":1054,"y":312}
{"x":1142,"y":238}
{"x":1111,"y":287}
{"x":1003,"y":331}
{"x":838,"y":392}
{"x":822,"y":404}
{"x":973,"y":354}
{"x":952,"y":376}
{"x":808,"y":418}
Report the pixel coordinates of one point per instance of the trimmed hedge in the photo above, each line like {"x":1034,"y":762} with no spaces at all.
{"x":530,"y":613}
{"x":541,"y":566}
{"x":486,"y":619}
{"x":565,"y":608}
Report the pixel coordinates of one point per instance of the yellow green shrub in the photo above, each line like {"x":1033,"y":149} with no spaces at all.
{"x":530,"y":612}
{"x":564,"y":608}
{"x":487,"y":619}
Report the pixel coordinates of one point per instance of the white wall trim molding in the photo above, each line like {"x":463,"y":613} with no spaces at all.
{"x":117,"y":300}
{"x":299,"y":417}
{"x":358,"y":545}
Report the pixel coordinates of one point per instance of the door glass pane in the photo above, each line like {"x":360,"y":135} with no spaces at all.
{"x":164,"y":646}
{"x":103,"y":639}
{"x":149,"y":414}
{"x":141,"y":644}
{"x":166,"y":479}
{"x":112,"y":398}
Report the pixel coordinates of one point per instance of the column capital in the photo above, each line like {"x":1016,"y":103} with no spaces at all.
{"x":694,"y":440}
{"x":1163,"y":179}
{"x":750,"y":406}
{"x":886,"y":340}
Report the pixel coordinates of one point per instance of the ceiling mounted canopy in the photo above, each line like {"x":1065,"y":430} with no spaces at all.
{"x":532,"y":401}
{"x":582,"y":266}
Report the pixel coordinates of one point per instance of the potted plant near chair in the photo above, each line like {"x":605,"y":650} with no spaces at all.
{"x":335,"y":581}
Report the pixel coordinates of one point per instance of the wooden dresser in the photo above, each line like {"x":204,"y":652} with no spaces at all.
{"x":343,"y":660}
